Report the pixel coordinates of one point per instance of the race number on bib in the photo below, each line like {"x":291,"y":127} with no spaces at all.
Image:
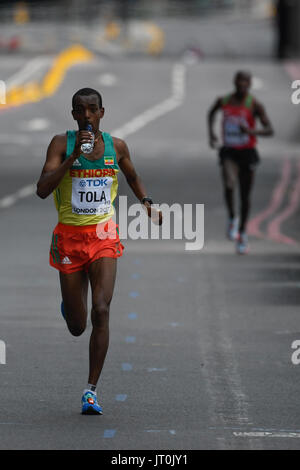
{"x":232,"y":132}
{"x":91,"y":195}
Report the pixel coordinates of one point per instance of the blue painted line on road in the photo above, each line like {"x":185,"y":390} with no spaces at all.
{"x":133,"y":294}
{"x":130,"y":339}
{"x":137,"y":261}
{"x":132,"y":315}
{"x":126,"y":366}
{"x":108,"y":433}
{"x":135,"y":276}
{"x":121,"y":397}
{"x":155,"y":369}
{"x":180,"y":279}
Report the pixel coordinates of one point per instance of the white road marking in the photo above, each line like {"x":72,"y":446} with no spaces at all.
{"x":267,"y":434}
{"x":36,"y":124}
{"x":8,"y":201}
{"x":160,"y":109}
{"x":30,"y":68}
{"x":107,"y":79}
{"x":26,"y":191}
{"x":257,"y":83}
{"x":170,"y":431}
{"x":178,"y":85}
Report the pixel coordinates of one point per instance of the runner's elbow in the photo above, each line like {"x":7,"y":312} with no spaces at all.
{"x":40,"y":193}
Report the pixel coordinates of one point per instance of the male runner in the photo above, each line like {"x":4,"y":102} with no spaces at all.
{"x":238,"y":155}
{"x":85,"y":243}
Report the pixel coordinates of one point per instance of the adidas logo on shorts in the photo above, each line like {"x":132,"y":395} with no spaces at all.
{"x":66,"y":260}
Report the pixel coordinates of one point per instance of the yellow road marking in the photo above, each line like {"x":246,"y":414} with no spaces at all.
{"x":36,"y":91}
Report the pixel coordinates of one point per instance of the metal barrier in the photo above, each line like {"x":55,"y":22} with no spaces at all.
{"x":95,"y":10}
{"x":114,"y":27}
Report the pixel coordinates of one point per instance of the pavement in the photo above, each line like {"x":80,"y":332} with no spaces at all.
{"x":201,"y":351}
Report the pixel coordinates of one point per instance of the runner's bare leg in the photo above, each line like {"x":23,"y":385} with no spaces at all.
{"x":246,"y":180}
{"x":229,"y":175}
{"x":74,"y":289}
{"x":102,"y":275}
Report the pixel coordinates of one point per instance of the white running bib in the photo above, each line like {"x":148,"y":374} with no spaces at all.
{"x":91,"y":195}
{"x":232,"y":133}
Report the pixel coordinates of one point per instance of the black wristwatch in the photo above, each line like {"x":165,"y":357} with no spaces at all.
{"x":147,"y":199}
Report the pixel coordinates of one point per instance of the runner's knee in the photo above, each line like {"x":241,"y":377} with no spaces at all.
{"x":76,"y":330}
{"x":100,"y":314}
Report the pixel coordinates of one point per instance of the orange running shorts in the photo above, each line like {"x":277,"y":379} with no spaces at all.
{"x":73,"y":248}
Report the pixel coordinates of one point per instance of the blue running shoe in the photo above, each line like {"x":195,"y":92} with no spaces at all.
{"x":62,"y":309}
{"x":242,"y":245}
{"x":90,"y":406}
{"x":232,"y":229}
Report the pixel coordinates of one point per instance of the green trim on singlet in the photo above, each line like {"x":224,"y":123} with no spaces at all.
{"x":85,"y":164}
{"x":226,"y":99}
{"x":71,"y":139}
{"x":248,"y":101}
{"x":58,"y":198}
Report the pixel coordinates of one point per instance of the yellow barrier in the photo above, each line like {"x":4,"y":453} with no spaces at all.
{"x":112,"y":31}
{"x":157,"y":42}
{"x":21,"y":13}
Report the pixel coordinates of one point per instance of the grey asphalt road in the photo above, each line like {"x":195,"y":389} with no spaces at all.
{"x":200,"y":350}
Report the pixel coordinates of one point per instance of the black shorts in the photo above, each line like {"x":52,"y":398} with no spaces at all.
{"x":244,"y":158}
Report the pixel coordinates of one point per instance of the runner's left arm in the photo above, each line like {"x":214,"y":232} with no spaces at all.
{"x":133,"y":179}
{"x":261,"y":114}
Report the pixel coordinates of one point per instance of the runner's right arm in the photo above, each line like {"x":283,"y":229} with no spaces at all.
{"x":213,"y":139}
{"x":55,"y":168}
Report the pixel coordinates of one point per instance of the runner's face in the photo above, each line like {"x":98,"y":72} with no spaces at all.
{"x":242,"y":84}
{"x":87,"y":111}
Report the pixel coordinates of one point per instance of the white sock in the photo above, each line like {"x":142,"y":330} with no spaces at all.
{"x":90,"y":388}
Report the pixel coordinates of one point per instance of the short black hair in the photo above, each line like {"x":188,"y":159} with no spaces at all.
{"x":244,"y":74}
{"x":87,"y":92}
